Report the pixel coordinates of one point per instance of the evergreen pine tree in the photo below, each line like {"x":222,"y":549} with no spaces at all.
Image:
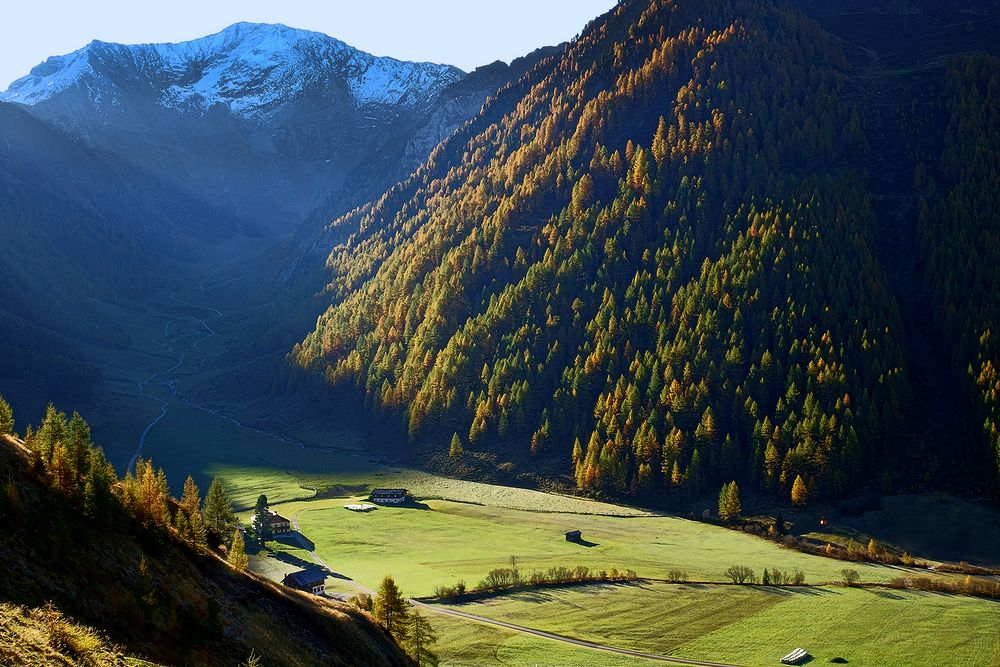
{"x":261,"y":523}
{"x":800,"y":494}
{"x":218,"y":510}
{"x":97,"y":495}
{"x":420,"y":639}
{"x":53,"y":430}
{"x":455,"y":451}
{"x":238,"y":553}
{"x":729,"y":501}
{"x":261,"y":504}
{"x":6,"y":417}
{"x":391,"y":609}
{"x":78,"y":444}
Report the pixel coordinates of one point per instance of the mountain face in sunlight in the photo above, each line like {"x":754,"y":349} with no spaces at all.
{"x":661,"y":262}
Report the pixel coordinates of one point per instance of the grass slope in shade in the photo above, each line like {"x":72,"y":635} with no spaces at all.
{"x":449,"y":541}
{"x":43,"y":636}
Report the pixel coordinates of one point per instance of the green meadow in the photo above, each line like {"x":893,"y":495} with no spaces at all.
{"x":757,"y":625}
{"x":444,"y":541}
{"x":440,"y":542}
{"x":471,"y":644}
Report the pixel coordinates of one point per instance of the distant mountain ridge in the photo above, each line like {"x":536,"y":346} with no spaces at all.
{"x":130,"y":164}
{"x":262,"y":119}
{"x":253,"y":69}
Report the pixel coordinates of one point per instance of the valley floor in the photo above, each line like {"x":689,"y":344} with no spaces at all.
{"x":461,"y":530}
{"x":440,"y":542}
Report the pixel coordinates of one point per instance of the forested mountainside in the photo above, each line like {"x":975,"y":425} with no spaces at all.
{"x":125,"y":559}
{"x":651,"y":262}
{"x":959,"y":234}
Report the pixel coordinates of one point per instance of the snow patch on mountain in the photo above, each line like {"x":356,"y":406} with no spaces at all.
{"x":253,"y":69}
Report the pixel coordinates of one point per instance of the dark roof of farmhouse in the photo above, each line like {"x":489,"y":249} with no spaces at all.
{"x":308,"y":577}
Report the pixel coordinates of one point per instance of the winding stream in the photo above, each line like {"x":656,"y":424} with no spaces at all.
{"x":168,"y":344}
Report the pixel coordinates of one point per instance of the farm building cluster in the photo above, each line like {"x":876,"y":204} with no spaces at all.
{"x":278,"y":524}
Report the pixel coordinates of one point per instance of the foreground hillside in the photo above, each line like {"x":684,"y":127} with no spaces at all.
{"x":151,"y":594}
{"x":648,"y":264}
{"x":34,"y":637}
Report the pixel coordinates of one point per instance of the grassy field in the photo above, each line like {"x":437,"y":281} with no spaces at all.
{"x":866,"y":627}
{"x":756,"y":626}
{"x":470,"y":644}
{"x":448,"y":541}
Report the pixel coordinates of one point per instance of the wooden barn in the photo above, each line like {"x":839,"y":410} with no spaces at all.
{"x":574,"y":536}
{"x":311,"y":580}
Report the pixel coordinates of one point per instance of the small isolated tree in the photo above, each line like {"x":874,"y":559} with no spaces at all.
{"x":261,"y":505}
{"x":514,"y":571}
{"x":873,"y":550}
{"x":800,"y":494}
{"x":261,"y":522}
{"x":218,"y":510}
{"x":729,"y":502}
{"x":6,"y":417}
{"x":455,"y":451}
{"x":420,"y":639}
{"x":765,"y":579}
{"x":851,"y":577}
{"x":391,"y":609}
{"x":238,"y":553}
{"x":741,"y":574}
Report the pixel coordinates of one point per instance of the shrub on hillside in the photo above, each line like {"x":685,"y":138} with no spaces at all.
{"x":741,"y":575}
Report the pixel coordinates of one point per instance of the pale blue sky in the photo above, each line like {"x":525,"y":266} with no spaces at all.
{"x":464,"y":33}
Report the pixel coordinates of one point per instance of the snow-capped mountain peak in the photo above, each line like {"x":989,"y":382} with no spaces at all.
{"x":251,"y":68}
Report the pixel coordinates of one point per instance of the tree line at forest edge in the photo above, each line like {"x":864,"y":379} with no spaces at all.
{"x":66,"y":457}
{"x":650,"y":261}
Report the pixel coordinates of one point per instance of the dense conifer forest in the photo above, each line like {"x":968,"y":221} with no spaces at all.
{"x":651,"y":262}
{"x":959,"y":233}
